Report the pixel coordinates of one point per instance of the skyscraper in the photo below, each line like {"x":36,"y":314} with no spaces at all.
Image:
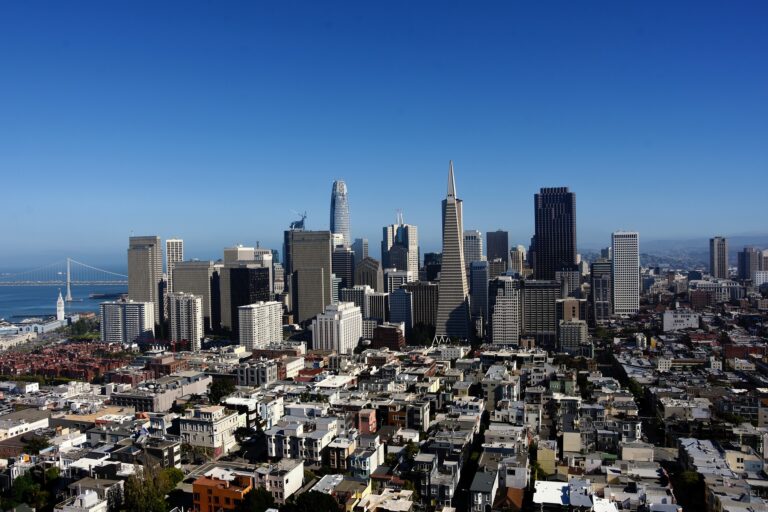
{"x":504,"y":306}
{"x":555,"y":238}
{"x":497,"y":243}
{"x":625,"y":266}
{"x":196,"y":277}
{"x":749,"y":261}
{"x":478,"y":289}
{"x":174,"y":252}
{"x":360,"y":248}
{"x":452,"y":302}
{"x":127,"y":321}
{"x":400,"y":246}
{"x":718,"y":257}
{"x":311,"y":272}
{"x":248,"y":283}
{"x":343,"y":266}
{"x":473,"y":246}
{"x":340,"y":211}
{"x":601,"y":293}
{"x":145,"y":271}
{"x":185,"y":318}
{"x":517,"y":260}
{"x":369,"y":272}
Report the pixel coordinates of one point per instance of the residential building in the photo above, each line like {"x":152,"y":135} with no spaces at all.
{"x":282,"y":480}
{"x":127,"y":322}
{"x":260,"y":324}
{"x":185,"y":319}
{"x":220,"y":489}
{"x":212,"y":428}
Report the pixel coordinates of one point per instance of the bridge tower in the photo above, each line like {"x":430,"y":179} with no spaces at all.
{"x":69,"y":283}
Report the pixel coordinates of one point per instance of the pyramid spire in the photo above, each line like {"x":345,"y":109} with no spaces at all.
{"x":451,"y":181}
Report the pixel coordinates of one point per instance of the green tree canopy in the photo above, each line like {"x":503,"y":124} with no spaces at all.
{"x":258,"y":500}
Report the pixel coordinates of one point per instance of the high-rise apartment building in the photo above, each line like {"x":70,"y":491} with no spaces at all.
{"x":555,"y":238}
{"x":185,"y":318}
{"x":174,"y":252}
{"x":196,"y":277}
{"x":601,"y":292}
{"x":473,"y":246}
{"x":369,"y":272}
{"x":400,"y":246}
{"x":340,"y":211}
{"x":749,"y":261}
{"x":260,"y":324}
{"x":453,"y":293}
{"x":625,"y":275}
{"x":360,"y":248}
{"x":311,"y":272}
{"x":718,"y":257}
{"x":338,"y":328}
{"x":497,"y":243}
{"x":504,"y":305}
{"x":571,"y":334}
{"x":145,"y":272}
{"x":127,"y":322}
{"x":539,"y":319}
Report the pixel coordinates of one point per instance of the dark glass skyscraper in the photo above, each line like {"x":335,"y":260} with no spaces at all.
{"x":555,"y":239}
{"x":498,"y":245}
{"x":340,"y":211}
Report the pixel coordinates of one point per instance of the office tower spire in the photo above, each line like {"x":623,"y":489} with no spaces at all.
{"x":452,"y":302}
{"x":340,"y":211}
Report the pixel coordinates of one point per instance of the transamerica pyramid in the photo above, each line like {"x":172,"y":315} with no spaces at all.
{"x":453,"y":293}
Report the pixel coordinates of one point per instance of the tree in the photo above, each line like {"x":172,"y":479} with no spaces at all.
{"x":243,"y":433}
{"x":36,"y":444}
{"x":174,"y":476}
{"x":257,"y":500}
{"x":220,"y":388}
{"x":145,"y":490}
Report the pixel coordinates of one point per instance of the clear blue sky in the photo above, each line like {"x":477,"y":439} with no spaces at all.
{"x":211,"y":121}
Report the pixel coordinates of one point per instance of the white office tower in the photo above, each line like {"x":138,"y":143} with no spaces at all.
{"x":626,"y":272}
{"x":394,"y":279}
{"x":174,"y":253}
{"x":60,"y":308}
{"x":338,"y":328}
{"x":505,"y":315}
{"x":260,"y":324}
{"x":473,"y":246}
{"x":400,"y":246}
{"x":517,"y":260}
{"x":360,"y":248}
{"x":127,"y":322}
{"x":185,"y":318}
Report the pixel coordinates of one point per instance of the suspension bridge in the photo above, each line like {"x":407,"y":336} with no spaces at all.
{"x":67,"y":273}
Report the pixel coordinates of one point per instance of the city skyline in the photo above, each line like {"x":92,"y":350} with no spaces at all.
{"x":91,"y":107}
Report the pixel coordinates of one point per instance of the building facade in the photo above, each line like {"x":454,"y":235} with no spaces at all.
{"x":260,"y":324}
{"x":145,"y":272}
{"x":338,"y":328}
{"x":185,"y":318}
{"x":718,"y":257}
{"x":625,"y":272}
{"x":555,"y":232}
{"x":127,"y":322}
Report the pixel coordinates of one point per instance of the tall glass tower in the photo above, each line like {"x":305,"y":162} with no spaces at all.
{"x":340,"y":211}
{"x":453,"y":293}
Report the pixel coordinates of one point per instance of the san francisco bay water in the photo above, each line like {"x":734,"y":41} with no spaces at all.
{"x":28,"y":301}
